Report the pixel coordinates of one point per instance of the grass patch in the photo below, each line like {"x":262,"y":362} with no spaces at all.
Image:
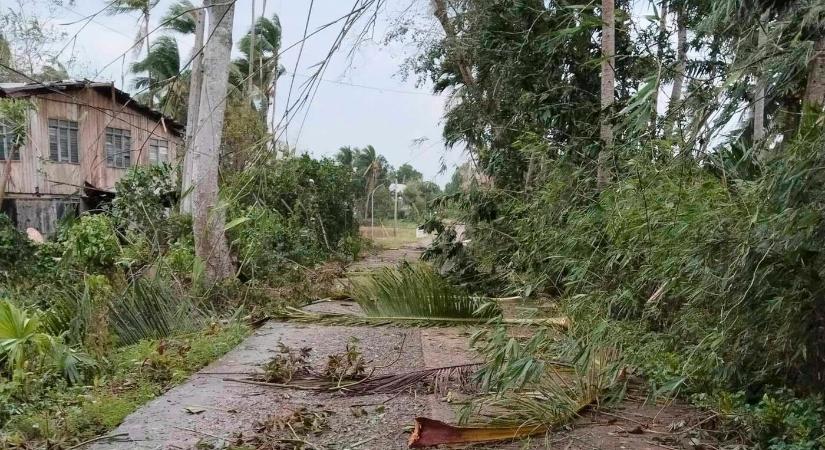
{"x":386,"y":236}
{"x":64,"y":416}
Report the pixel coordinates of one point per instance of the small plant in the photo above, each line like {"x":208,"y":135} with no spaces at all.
{"x":287,"y":365}
{"x":23,"y":346}
{"x":348,"y":365}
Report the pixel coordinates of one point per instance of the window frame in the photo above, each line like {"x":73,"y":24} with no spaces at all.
{"x":154,"y":151}
{"x":72,"y":136}
{"x":125,"y":157}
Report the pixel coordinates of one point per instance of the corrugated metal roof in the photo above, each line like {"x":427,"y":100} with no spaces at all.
{"x":18,"y":90}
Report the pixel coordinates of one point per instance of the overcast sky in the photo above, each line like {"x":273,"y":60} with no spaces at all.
{"x":402,"y":121}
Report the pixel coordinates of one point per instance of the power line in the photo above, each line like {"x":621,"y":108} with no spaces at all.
{"x":364,"y":86}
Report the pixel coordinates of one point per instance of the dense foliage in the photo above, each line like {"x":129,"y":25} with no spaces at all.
{"x":702,"y":253}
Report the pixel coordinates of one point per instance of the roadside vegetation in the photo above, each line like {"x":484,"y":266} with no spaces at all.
{"x":687,"y":237}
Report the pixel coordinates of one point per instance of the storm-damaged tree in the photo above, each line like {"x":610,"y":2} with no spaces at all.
{"x":208,"y":214}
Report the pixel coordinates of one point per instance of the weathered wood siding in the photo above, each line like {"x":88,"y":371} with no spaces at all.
{"x":93,"y":111}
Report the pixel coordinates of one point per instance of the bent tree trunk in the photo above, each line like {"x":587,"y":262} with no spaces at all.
{"x":195,"y":86}
{"x":608,"y":92}
{"x":454,"y":48}
{"x":208,"y":218}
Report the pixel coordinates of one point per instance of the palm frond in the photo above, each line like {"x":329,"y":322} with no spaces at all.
{"x":149,"y":310}
{"x":179,"y":17}
{"x":415,"y":291}
{"x":398,"y":382}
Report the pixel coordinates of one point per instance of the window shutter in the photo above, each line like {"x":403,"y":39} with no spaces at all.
{"x":54,"y":153}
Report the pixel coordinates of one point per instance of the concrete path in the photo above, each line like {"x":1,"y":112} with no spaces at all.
{"x":227,"y":411}
{"x":207,"y":412}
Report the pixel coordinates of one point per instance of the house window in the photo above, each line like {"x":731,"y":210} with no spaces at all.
{"x":7,"y":143}
{"x":158,"y":151}
{"x":63,"y":146}
{"x":118,"y":147}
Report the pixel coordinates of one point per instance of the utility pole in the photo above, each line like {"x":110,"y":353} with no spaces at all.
{"x":395,"y":212}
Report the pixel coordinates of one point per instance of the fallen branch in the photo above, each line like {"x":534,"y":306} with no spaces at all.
{"x":118,"y":437}
{"x":279,"y":385}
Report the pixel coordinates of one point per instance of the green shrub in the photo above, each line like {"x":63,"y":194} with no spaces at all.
{"x":143,"y":201}
{"x":91,"y":243}
{"x":15,"y":249}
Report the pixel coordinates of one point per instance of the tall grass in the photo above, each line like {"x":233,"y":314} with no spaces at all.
{"x":414,"y":290}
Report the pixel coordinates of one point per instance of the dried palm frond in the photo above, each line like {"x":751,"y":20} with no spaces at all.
{"x":430,"y":433}
{"x":394,"y":383}
{"x":415,"y":290}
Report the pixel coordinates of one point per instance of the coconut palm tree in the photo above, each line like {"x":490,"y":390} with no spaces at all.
{"x":370,"y":166}
{"x":143,"y":7}
{"x":181,"y":17}
{"x":164,"y":83}
{"x":265,"y":69}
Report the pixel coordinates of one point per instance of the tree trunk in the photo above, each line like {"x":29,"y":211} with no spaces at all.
{"x":761,"y":82}
{"x":608,"y":92}
{"x":148,"y":51}
{"x":679,"y":73}
{"x":661,"y":45}
{"x":453,"y":46}
{"x":208,"y":216}
{"x":815,"y":88}
{"x":195,"y":86}
{"x":272,"y":94}
{"x":6,"y":175}
{"x":252,"y":36}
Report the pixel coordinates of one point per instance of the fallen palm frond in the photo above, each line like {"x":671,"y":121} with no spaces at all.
{"x":297,"y":315}
{"x":429,"y":433}
{"x":556,"y":398}
{"x":415,"y":290}
{"x":383,"y":384}
{"x":150,"y":310}
{"x":394,"y":383}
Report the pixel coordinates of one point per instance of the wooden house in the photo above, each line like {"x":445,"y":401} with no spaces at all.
{"x":82,"y":136}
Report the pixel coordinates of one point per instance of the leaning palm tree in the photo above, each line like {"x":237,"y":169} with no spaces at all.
{"x":164,"y":83}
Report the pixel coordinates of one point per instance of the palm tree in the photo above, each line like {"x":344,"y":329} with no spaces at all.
{"x":369,"y":164}
{"x":181,"y":17}
{"x":143,"y":7}
{"x":265,"y":70}
{"x":346,"y":155}
{"x":164,"y":83}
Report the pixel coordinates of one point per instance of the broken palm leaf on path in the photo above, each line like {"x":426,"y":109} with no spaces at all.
{"x":382,"y":384}
{"x":430,"y":433}
{"x":416,"y":290}
{"x":554,"y":400}
{"x":399,"y":382}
